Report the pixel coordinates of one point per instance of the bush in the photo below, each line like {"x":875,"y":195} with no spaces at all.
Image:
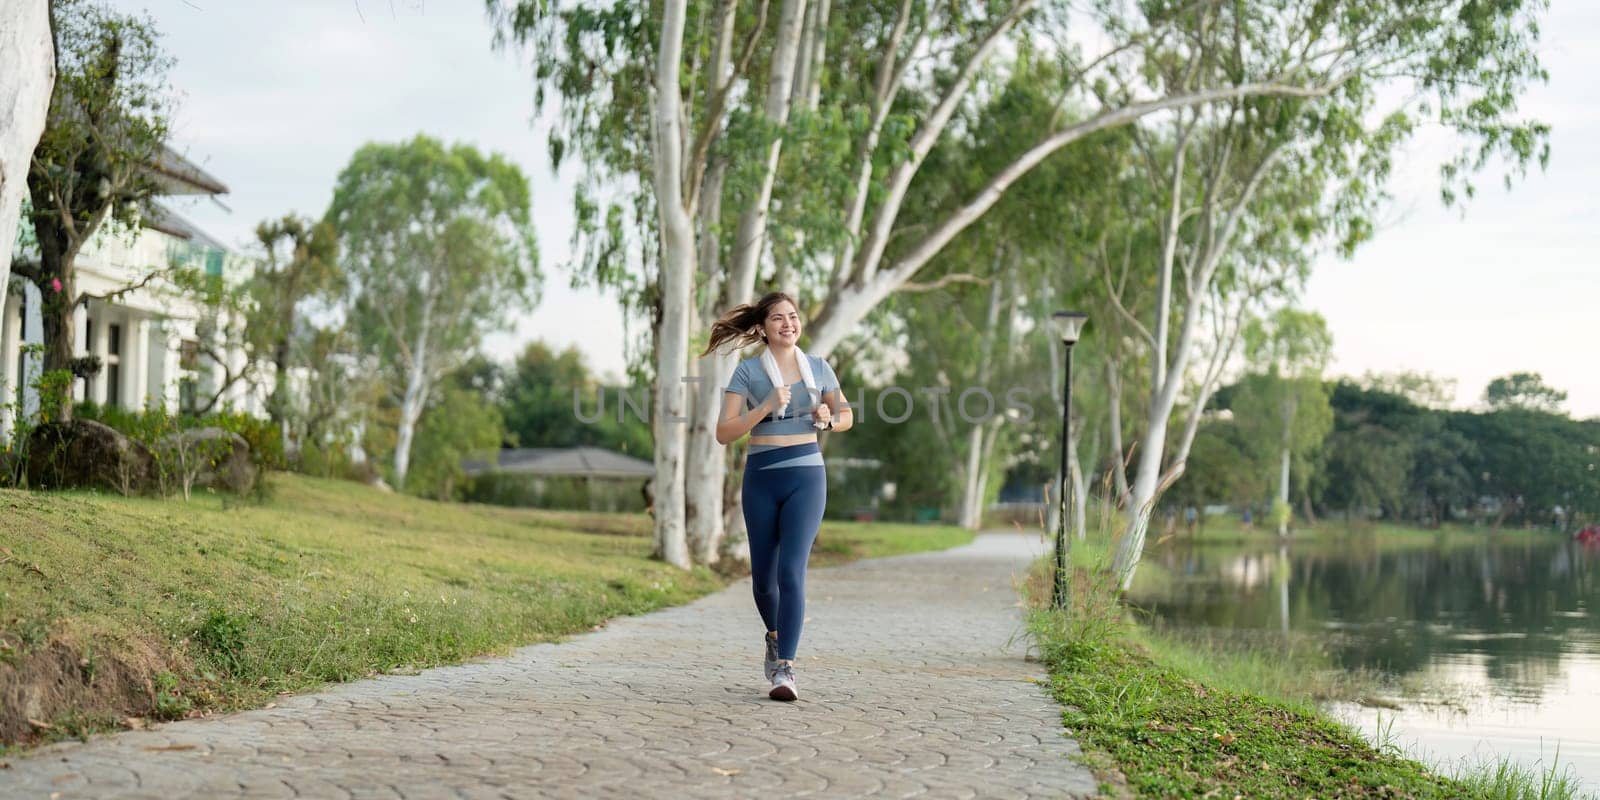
{"x":264,"y":438}
{"x":154,"y":427}
{"x":557,"y":492}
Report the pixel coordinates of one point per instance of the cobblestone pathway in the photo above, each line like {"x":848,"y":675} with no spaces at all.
{"x":911,"y":675}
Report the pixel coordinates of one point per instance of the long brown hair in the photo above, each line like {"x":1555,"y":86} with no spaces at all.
{"x":738,"y":323}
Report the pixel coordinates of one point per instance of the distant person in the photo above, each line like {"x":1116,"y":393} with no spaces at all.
{"x":1191,"y":519}
{"x":785,"y":483}
{"x":1245,"y":520}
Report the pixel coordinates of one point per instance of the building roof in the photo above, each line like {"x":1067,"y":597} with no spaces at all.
{"x":584,"y":462}
{"x":179,"y":175}
{"x":158,"y":217}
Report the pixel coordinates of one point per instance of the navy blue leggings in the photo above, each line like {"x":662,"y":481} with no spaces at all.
{"x":784,"y":492}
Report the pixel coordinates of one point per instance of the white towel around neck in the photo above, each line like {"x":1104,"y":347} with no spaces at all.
{"x":775,"y":375}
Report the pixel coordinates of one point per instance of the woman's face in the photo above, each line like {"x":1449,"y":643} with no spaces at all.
{"x":782,"y":325}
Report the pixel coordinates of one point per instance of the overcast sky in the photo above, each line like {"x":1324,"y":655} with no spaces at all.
{"x":276,"y":96}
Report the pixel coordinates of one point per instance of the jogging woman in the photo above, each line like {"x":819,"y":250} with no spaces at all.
{"x":781,"y":397}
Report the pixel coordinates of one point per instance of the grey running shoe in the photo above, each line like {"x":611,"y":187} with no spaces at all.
{"x":783,"y":683}
{"x":771,"y":667}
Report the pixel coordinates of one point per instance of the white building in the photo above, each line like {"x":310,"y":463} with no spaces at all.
{"x":147,"y":339}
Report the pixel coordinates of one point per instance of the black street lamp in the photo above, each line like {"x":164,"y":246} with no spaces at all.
{"x":1067,"y":325}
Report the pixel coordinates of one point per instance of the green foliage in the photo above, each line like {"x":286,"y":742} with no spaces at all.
{"x":459,"y":424}
{"x":433,"y":238}
{"x":170,"y":702}
{"x":555,"y":492}
{"x":223,"y":637}
{"x":547,"y":396}
{"x":150,"y":425}
{"x":55,"y":391}
{"x":1524,"y":390}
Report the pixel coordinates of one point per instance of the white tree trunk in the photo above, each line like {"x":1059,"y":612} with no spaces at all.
{"x":677,"y":272}
{"x":1283,"y":492}
{"x":1080,"y":487}
{"x":751,"y":237}
{"x":971,"y":499}
{"x":707,"y":470}
{"x":708,"y":464}
{"x":27,"y":76}
{"x":414,"y":399}
{"x":1119,"y":470}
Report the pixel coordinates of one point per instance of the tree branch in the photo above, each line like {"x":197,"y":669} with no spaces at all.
{"x":958,"y":277}
{"x":959,"y":219}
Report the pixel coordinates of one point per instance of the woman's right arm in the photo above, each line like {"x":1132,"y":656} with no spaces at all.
{"x":735,"y":421}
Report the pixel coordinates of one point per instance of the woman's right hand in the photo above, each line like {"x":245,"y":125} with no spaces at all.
{"x":778,"y":399}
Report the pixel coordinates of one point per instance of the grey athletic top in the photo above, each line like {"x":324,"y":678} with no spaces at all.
{"x":750,"y":380}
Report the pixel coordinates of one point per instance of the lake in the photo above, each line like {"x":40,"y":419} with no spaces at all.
{"x":1491,"y":640}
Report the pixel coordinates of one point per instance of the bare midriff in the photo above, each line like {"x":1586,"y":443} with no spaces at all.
{"x":785,"y":440}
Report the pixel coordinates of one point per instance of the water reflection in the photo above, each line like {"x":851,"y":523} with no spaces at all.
{"x":1507,"y":617}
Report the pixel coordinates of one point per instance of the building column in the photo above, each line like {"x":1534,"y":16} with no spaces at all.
{"x":171,"y":369}
{"x":136,"y":363}
{"x":32,"y":330}
{"x":10,"y":344}
{"x":80,"y":337}
{"x":102,"y":351}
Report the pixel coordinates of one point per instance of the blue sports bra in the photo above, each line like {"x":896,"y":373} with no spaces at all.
{"x":751,"y":381}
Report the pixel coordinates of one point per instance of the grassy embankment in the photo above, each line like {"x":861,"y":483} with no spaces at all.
{"x":1161,"y":715}
{"x":114,"y":610}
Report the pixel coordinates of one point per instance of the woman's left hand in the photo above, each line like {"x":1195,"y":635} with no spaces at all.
{"x":823,"y":415}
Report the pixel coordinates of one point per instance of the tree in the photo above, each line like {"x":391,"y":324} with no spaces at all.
{"x":1524,"y":390}
{"x":230,"y":318}
{"x":897,"y":74}
{"x":301,"y":262}
{"x":27,"y":60}
{"x":540,"y":397}
{"x":1294,"y":347}
{"x":460,"y":423}
{"x":1299,"y":173}
{"x":1421,"y":388}
{"x":438,"y":249}
{"x":105,"y":130}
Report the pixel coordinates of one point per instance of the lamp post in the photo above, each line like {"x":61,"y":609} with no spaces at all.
{"x":1067,"y":325}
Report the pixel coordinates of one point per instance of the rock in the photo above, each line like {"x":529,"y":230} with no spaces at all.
{"x":83,"y":453}
{"x":212,"y":457}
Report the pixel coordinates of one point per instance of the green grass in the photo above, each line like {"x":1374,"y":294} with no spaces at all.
{"x":160,"y":608}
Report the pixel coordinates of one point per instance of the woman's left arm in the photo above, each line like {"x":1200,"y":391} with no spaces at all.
{"x":843,"y":418}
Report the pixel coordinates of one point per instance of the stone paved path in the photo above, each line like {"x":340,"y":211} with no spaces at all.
{"x":911,"y":675}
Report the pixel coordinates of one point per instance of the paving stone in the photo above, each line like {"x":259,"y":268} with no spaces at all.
{"x":912,"y":681}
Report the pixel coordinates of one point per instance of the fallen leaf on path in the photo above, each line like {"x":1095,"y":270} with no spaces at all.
{"x":134,"y":723}
{"x":725,"y":772}
{"x":169,"y":748}
{"x":1225,"y":738}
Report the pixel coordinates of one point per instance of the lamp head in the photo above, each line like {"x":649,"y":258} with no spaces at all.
{"x":1068,"y":324}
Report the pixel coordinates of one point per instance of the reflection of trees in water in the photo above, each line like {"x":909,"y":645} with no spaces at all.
{"x":1516,"y":602}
